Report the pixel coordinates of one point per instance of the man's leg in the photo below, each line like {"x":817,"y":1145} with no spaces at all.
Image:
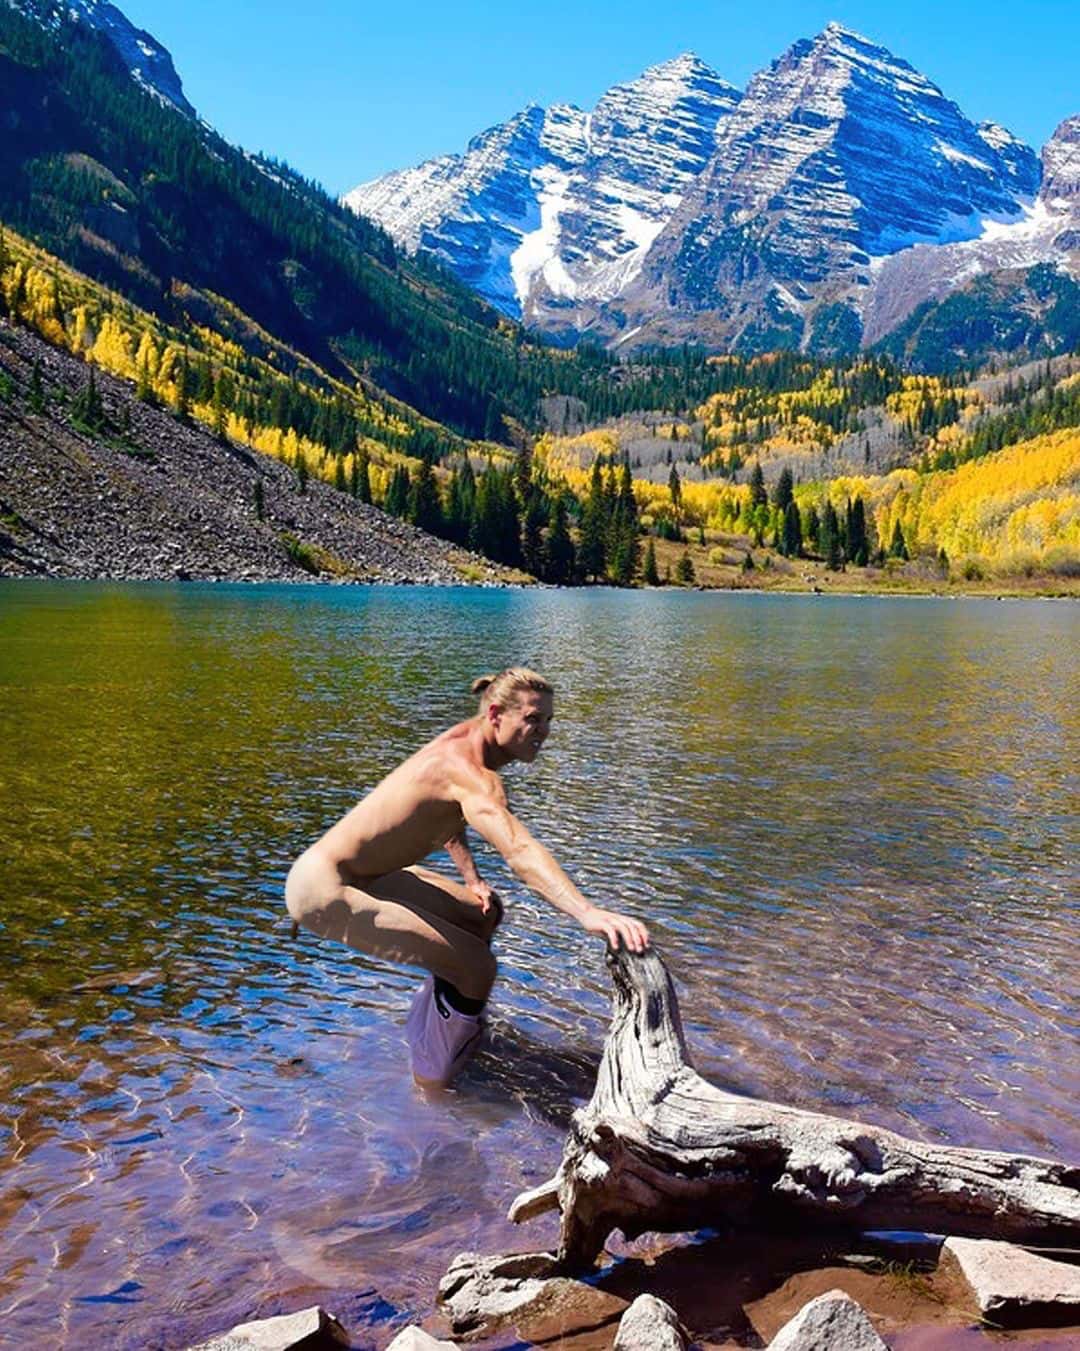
{"x":405,"y":918}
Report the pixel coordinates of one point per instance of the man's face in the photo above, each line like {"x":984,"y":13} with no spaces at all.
{"x":521,"y":727}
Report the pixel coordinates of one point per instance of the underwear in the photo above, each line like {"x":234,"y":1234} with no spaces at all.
{"x":441,"y":1039}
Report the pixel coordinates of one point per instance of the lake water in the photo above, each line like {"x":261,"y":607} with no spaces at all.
{"x":851,"y":824}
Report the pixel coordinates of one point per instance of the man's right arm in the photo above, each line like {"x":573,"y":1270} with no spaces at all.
{"x":483,"y":804}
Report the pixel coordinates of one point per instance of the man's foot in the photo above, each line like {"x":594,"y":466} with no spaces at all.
{"x":441,"y":1039}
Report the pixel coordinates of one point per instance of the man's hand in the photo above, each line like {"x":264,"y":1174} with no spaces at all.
{"x":617,"y":929}
{"x":484,"y":893}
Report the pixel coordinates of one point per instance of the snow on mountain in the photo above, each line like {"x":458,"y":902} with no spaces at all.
{"x":150,"y":63}
{"x":679,"y":208}
{"x":553,"y":207}
{"x":838,"y":152}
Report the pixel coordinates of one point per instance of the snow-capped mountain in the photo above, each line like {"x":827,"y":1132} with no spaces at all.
{"x":560,"y":204}
{"x":150,"y":63}
{"x":679,"y":209}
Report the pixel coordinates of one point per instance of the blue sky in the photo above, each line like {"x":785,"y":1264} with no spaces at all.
{"x":345,"y":91}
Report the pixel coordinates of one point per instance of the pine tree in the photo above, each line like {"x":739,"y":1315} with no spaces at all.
{"x":684,"y":570}
{"x":784,"y":491}
{"x":791,"y":533}
{"x":301,"y":472}
{"x":534,"y":518}
{"x":219,"y":408}
{"x":558,"y":556}
{"x":592,"y":554}
{"x":424,"y":505}
{"x":650,"y":575}
{"x":341,"y":483}
{"x":260,"y":501}
{"x":829,"y":536}
{"x":758,"y":495}
{"x":623,"y":532}
{"x":812,"y":531}
{"x":675,"y":489}
{"x":397,"y":492}
{"x":898,"y":545}
{"x":858,"y":545}
{"x":361,"y":477}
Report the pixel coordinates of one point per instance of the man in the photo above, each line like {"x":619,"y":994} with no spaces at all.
{"x":360,"y":884}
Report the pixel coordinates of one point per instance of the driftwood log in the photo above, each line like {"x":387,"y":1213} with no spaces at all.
{"x":660,"y":1149}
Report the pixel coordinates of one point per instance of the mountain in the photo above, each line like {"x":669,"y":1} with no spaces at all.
{"x":560,"y":205}
{"x":818,"y":209}
{"x":118,"y":181}
{"x":148,"y":62}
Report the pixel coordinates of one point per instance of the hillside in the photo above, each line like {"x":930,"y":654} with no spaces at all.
{"x":114,"y":487}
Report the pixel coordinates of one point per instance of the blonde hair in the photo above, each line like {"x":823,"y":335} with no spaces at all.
{"x":504,"y":687}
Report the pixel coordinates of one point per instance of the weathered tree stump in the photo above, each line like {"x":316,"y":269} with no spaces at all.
{"x":660,"y":1149}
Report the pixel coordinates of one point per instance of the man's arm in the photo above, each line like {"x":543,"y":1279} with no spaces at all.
{"x":457,"y":846}
{"x":483,"y":804}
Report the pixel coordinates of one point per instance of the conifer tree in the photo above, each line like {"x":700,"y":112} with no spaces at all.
{"x":558,"y":554}
{"x":650,"y":574}
{"x":260,"y":501}
{"x":898,"y":545}
{"x":784,"y":491}
{"x":361,"y":477}
{"x":301,"y":472}
{"x":397,"y":492}
{"x":791,"y":533}
{"x":684,"y":570}
{"x":812,"y":531}
{"x":532,"y":533}
{"x":675,"y":489}
{"x":857,"y":546}
{"x":341,"y":483}
{"x":424,"y":504}
{"x":758,"y":495}
{"x":592,"y":554}
{"x":219,"y":408}
{"x":829,"y":534}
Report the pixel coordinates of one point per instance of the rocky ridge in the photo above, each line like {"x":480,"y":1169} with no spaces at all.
{"x":166,"y":501}
{"x":818,"y":209}
{"x":150,"y":64}
{"x":559,"y":204}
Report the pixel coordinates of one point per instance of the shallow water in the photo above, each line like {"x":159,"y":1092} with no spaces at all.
{"x":851,"y":824}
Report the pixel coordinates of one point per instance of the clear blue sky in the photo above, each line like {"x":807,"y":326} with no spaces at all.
{"x":345,"y":91}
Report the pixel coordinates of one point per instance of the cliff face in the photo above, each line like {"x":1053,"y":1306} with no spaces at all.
{"x":153,"y":498}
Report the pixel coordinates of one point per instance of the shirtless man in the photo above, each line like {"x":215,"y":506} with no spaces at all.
{"x":360,"y":884}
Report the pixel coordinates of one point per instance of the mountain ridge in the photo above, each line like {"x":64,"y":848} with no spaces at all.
{"x":836,"y":159}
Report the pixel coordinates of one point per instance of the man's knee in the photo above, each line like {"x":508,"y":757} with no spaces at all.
{"x":477,"y":973}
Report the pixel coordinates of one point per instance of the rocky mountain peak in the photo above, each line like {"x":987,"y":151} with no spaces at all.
{"x":1061,"y":163}
{"x":150,"y":64}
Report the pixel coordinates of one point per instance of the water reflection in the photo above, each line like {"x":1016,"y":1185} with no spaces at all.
{"x":850,"y":823}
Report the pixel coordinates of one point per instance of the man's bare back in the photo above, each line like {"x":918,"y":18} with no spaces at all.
{"x":361,"y":882}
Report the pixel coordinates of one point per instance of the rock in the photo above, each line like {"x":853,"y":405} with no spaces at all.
{"x":650,"y":1325}
{"x":416,"y":1339}
{"x":483,"y":1294}
{"x":306,"y":1330}
{"x":1012,"y":1285}
{"x":832,"y":1322}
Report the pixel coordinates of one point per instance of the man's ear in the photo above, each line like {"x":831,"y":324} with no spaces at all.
{"x":494,"y":713}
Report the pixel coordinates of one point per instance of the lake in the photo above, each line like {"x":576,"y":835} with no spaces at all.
{"x":850,"y":823}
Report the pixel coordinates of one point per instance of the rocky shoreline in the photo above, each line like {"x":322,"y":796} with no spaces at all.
{"x":167,"y":501}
